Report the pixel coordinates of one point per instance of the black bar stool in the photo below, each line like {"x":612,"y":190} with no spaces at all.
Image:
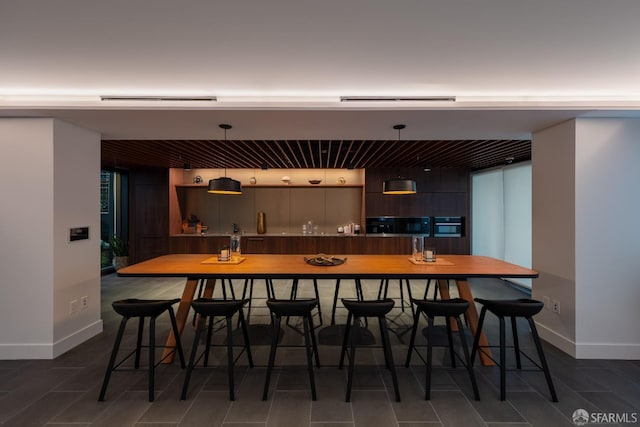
{"x":383,"y":291}
{"x":294,"y":295}
{"x":248,"y":285}
{"x":285,"y":308}
{"x":367,"y":308}
{"x":210,"y":308}
{"x":141,"y":308}
{"x":359,"y":297}
{"x":449,"y":309}
{"x":526,"y":308}
{"x":202,"y":284}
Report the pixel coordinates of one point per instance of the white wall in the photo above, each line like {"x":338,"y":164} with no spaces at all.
{"x":607,"y":238}
{"x":586,"y":240}
{"x":553,"y":184}
{"x":76,"y":204}
{"x":26,"y":235}
{"x":50,"y":185}
{"x":501,"y":215}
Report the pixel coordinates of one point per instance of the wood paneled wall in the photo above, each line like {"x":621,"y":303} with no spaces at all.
{"x":148,"y":214}
{"x":440,"y":192}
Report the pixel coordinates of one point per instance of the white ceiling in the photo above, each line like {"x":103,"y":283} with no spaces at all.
{"x":278,"y":67}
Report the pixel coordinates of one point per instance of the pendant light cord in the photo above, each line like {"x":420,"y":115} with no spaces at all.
{"x":224,"y":154}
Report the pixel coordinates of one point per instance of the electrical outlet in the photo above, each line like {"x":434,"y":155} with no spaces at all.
{"x":547,"y":302}
{"x":555,"y":306}
{"x":74,"y":306}
{"x":84,"y":302}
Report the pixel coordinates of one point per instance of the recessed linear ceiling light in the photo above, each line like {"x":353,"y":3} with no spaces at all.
{"x":160,"y":98}
{"x":397,"y":98}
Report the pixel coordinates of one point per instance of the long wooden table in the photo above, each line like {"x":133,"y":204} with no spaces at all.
{"x":456,"y":267}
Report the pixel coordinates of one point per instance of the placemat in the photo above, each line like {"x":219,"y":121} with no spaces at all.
{"x":438,"y":261}
{"x":214,"y":260}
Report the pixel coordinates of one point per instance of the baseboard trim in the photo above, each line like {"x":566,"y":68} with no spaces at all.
{"x":612,"y":351}
{"x":627,"y":351}
{"x":555,"y":339}
{"x":77,"y":338}
{"x":50,"y":350}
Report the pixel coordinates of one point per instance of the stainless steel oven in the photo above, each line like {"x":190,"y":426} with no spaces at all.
{"x":448,"y":226}
{"x":399,"y":225}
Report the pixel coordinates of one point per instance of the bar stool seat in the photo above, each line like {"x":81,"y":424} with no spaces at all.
{"x":367,"y":308}
{"x":207,"y":308}
{"x":513,"y":309}
{"x":141,"y":308}
{"x":286,"y":308}
{"x":448,"y":308}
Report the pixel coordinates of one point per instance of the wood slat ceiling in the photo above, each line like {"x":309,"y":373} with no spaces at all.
{"x":474,"y":154}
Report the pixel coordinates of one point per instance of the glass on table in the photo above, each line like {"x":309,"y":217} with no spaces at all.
{"x":224,"y":254}
{"x":417,"y":244}
{"x":234,"y":244}
{"x":429,"y":255}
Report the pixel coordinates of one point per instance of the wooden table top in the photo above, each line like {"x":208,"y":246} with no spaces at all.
{"x":356,"y":266}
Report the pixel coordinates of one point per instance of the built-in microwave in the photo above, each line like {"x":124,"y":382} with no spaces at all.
{"x":399,"y":225}
{"x":448,"y":226}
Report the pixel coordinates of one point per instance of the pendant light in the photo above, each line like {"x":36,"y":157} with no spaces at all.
{"x":224,"y":185}
{"x":399,"y":185}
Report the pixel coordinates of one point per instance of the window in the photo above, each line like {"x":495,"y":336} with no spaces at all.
{"x":113,"y":212}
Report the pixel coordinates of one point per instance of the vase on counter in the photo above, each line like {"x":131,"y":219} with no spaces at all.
{"x":262,"y":224}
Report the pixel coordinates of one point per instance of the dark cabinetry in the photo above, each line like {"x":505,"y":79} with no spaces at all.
{"x":442,"y":192}
{"x":149,"y":213}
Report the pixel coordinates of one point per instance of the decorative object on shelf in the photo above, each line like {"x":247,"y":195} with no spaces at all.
{"x":324,"y":260}
{"x":192,"y":225}
{"x":197,"y":179}
{"x":224,"y":185}
{"x":262,"y":223}
{"x":342,"y":181}
{"x":120,"y":249}
{"x":253,"y":180}
{"x":399,"y":185}
{"x":286,"y":179}
{"x":315,"y":181}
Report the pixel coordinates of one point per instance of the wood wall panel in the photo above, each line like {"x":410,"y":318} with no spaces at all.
{"x":440,"y":192}
{"x":148,"y":214}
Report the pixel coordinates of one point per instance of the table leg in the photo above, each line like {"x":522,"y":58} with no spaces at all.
{"x":472,"y":317}
{"x":181,"y":317}
{"x":209,"y":286}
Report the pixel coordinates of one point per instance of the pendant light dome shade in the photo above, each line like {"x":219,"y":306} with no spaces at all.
{"x":399,"y":186}
{"x":224,"y":185}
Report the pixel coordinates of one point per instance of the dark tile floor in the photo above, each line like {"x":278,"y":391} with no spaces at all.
{"x":63,"y":392}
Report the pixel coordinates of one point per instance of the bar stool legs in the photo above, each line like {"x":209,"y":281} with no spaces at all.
{"x":286,"y":308}
{"x":526,"y":308}
{"x":208,"y":309}
{"x":451,"y":308}
{"x":363,"y":309}
{"x":141,"y":308}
